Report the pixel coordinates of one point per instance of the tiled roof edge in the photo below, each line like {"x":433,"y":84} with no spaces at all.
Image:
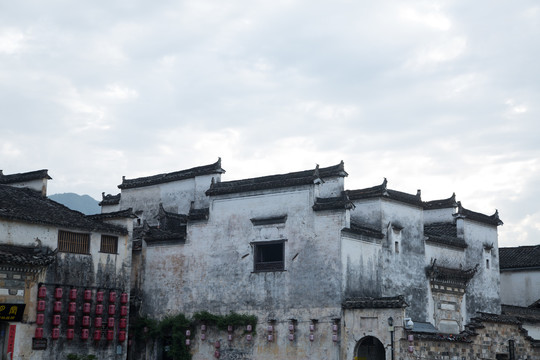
{"x":214,"y":168}
{"x":26,"y":176}
{"x":299,"y":178}
{"x":478,"y":217}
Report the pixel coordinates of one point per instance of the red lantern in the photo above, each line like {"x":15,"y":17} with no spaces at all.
{"x":124,"y":298}
{"x":71,"y":320}
{"x":58,"y":293}
{"x":112,"y":296}
{"x":97,"y":335}
{"x":70,"y":334}
{"x":87,"y":295}
{"x":112,"y":309}
{"x":72,"y":307}
{"x":99,"y":309}
{"x":216,"y":354}
{"x":41,"y":305}
{"x":42,"y":292}
{"x":39,"y":333}
{"x":55,"y":333}
{"x":72,"y":294}
{"x":98,"y":322}
{"x":86,"y":321}
{"x":122,"y":323}
{"x":99,"y":296}
{"x":56,"y":320}
{"x":123,"y":310}
{"x":86,"y":308}
{"x":57,"y":306}
{"x":110,"y":322}
{"x":84,"y":334}
{"x":121,"y":336}
{"x":40,"y":319}
{"x":110,"y":335}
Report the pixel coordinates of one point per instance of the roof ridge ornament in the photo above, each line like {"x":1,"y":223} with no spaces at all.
{"x":316,"y":176}
{"x":384,"y":187}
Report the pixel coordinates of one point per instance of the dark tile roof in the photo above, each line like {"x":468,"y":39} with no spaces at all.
{"x":198,"y":214}
{"x":375,"y":303}
{"x":496,"y":318}
{"x":128,"y":213}
{"x":424,"y":327}
{"x":519,"y":257}
{"x":441,"y":204}
{"x":450,"y":276}
{"x":110,"y":199}
{"x":27,"y":176}
{"x":214,"y":168}
{"x":26,"y":205}
{"x":444,"y":234}
{"x":383,"y":191}
{"x":363,"y":230}
{"x":333,"y":203}
{"x":26,"y":255}
{"x":478,"y":217}
{"x":528,"y":314}
{"x":305,"y":177}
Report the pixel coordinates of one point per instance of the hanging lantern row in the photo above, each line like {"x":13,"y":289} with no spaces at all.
{"x":86,"y":309}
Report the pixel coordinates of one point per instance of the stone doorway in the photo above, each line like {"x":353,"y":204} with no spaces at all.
{"x":369,"y":348}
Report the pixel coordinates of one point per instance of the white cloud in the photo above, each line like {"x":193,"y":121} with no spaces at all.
{"x":12,"y":41}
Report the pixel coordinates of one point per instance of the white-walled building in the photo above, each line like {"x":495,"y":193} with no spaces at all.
{"x":53,"y":263}
{"x":324,"y":269}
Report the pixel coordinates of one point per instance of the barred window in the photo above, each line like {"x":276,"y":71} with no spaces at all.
{"x":109,"y":244}
{"x":76,"y":243}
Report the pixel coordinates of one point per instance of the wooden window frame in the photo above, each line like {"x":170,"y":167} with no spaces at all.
{"x":73,"y":243}
{"x":259,"y":265}
{"x":109,"y":244}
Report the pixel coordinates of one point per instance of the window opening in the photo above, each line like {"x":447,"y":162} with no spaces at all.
{"x":76,"y":243}
{"x":396,"y":246}
{"x":109,"y":244}
{"x":269,"y":256}
{"x":487,"y":263}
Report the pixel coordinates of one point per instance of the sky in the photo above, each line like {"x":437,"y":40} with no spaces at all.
{"x":442,"y":96}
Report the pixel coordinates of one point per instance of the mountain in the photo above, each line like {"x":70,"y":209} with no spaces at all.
{"x":83,"y":203}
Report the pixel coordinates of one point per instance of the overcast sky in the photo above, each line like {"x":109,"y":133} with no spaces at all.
{"x":442,"y":96}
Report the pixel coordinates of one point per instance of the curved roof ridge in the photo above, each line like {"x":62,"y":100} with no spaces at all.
{"x":214,"y":168}
{"x":304,"y":177}
{"x":441,"y":203}
{"x":464,"y":213}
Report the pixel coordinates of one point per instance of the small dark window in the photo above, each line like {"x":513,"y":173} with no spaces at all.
{"x":76,"y":243}
{"x":269,"y":256}
{"x":109,"y":244}
{"x":487,"y":263}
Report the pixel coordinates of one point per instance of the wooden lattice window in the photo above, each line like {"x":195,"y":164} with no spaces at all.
{"x":109,"y":244}
{"x":269,"y":256}
{"x":76,"y":243}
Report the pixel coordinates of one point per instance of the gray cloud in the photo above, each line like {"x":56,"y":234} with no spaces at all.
{"x":441,"y":97}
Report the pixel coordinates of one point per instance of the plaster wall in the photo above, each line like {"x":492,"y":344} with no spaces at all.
{"x":38,"y":185}
{"x":438,"y":215}
{"x":175,"y":196}
{"x":404,"y":271}
{"x":533,"y":330}
{"x":367,"y":213}
{"x":214,"y":269}
{"x":521,"y":288}
{"x":361,"y":263}
{"x":483,"y":289}
{"x":446,"y":256}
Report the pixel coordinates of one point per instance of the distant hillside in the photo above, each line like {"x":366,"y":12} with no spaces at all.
{"x":83,"y":203}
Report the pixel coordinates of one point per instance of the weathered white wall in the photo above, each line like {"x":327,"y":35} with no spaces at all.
{"x":446,"y":256}
{"x":361,"y":263}
{"x":520,"y":288}
{"x":483,"y":289}
{"x":95,"y":269}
